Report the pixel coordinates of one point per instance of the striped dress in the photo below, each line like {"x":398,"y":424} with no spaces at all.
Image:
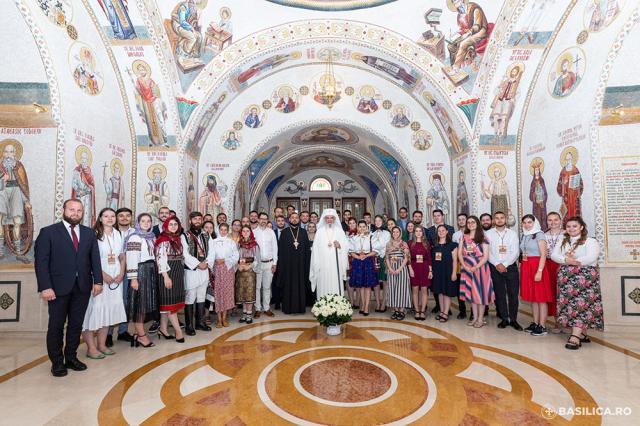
{"x":477,"y":287}
{"x":399,"y":287}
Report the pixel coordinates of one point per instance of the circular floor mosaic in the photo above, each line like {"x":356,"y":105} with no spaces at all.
{"x":376,"y":372}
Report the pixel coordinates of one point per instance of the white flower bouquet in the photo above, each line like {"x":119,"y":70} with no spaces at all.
{"x":332,"y":309}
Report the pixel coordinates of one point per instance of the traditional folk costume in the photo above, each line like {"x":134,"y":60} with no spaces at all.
{"x":552,"y":241}
{"x":381,"y":238}
{"x":142,"y":304}
{"x":363,"y":272}
{"x":222,"y":258}
{"x":196,"y":280}
{"x":170,"y":258}
{"x":245,"y":285}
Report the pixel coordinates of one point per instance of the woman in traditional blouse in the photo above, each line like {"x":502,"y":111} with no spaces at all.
{"x":397,"y":257}
{"x":579,"y":298}
{"x":248,"y":264}
{"x":475,"y":280}
{"x":107,"y":308}
{"x":363,"y":273}
{"x":554,"y":236}
{"x":170,"y":259}
{"x":420,"y":271}
{"x":142,"y":303}
{"x":381,"y":237}
{"x":352,"y":293}
{"x":444,"y":256}
{"x":222,"y":258}
{"x":535,"y":286}
{"x":209,"y":228}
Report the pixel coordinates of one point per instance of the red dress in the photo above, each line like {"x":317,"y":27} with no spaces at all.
{"x":420,"y":270}
{"x":535,"y":291}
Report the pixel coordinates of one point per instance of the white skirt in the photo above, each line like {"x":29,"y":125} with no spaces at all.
{"x":105,"y":309}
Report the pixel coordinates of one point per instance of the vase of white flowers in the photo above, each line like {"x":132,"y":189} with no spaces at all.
{"x":332,"y":311}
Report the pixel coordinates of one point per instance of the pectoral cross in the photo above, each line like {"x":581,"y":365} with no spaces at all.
{"x":635,"y":253}
{"x":296,"y":244}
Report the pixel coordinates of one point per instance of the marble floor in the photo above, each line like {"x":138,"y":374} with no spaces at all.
{"x":287,"y":370}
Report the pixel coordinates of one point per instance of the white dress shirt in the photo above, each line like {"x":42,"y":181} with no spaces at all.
{"x":67,"y":226}
{"x":380,"y":239}
{"x":361,"y":244}
{"x":504,"y":246}
{"x":268,"y":243}
{"x":587,"y":253}
{"x":457,"y":236}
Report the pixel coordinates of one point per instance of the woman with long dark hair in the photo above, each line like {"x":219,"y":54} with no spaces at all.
{"x":381,"y":237}
{"x":107,"y":308}
{"x":170,"y":259}
{"x":246,"y":274}
{"x":142,"y":274}
{"x":475,"y":281}
{"x":420,"y":271}
{"x":579,"y":297}
{"x":223,"y":259}
{"x":352,"y":293}
{"x":444,"y":255}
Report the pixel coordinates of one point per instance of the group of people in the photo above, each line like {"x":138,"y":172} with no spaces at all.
{"x":121,"y":273}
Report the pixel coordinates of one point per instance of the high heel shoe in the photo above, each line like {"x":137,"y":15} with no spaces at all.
{"x":166,"y":336}
{"x":135,"y":343}
{"x":181,"y":340}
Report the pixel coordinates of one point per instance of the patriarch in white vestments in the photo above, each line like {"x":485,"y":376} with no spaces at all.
{"x":329,"y":257}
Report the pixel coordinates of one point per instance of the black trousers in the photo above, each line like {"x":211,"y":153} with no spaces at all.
{"x":68,"y":309}
{"x":506,"y":286}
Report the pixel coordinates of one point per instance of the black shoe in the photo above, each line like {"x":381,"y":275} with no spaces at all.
{"x":449,"y":313}
{"x":435,"y":310}
{"x":166,"y":336}
{"x":539,"y":331}
{"x":503,"y":324}
{"x":531,"y":328}
{"x":515,"y":325}
{"x":153,"y":329}
{"x":125,"y":337}
{"x":462,"y":315}
{"x":109,"y":342}
{"x":200,"y":315}
{"x":75,"y":364}
{"x":395,"y":315}
{"x":58,"y":369}
{"x":188,"y":319}
{"x":486,"y":311}
{"x":181,"y":340}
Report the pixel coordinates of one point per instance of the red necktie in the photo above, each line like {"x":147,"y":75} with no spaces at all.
{"x":74,"y":237}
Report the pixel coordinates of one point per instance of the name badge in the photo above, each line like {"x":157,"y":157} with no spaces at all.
{"x":438,"y":256}
{"x":111,"y":259}
{"x":419,"y":258}
{"x":502,"y":249}
{"x":469,"y":249}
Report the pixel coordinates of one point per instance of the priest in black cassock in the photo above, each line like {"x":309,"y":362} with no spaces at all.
{"x":293,"y":267}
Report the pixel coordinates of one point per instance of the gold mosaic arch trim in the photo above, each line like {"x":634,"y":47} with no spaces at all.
{"x":525,"y":107}
{"x":263,"y":379}
{"x":125,"y":101}
{"x":373,"y":164}
{"x":228,"y":202}
{"x":378,"y":38}
{"x":56,"y":113}
{"x":598,"y":182}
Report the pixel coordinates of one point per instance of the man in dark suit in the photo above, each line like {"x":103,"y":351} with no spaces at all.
{"x":68,"y":271}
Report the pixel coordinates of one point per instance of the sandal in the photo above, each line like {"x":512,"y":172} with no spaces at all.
{"x":584,"y":338}
{"x":395,"y":315}
{"x":443,"y":317}
{"x":478,"y":325}
{"x":400,"y":316}
{"x":471,"y":322}
{"x":417,"y":316}
{"x":437,"y":317}
{"x":423,"y":316}
{"x":573,"y":345}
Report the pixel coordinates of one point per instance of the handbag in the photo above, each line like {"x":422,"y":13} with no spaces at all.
{"x":376,"y":260}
